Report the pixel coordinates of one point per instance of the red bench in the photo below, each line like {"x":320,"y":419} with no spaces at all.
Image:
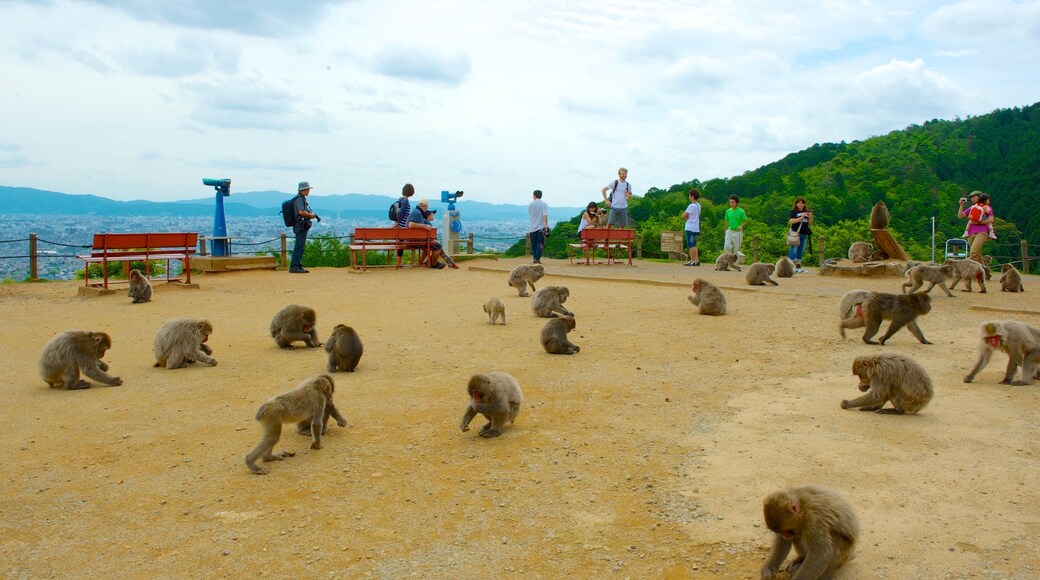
{"x":144,"y":248}
{"x":388,"y":239}
{"x":609,"y":239}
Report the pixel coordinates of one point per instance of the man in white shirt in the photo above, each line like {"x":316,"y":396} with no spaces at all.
{"x":620,"y":193}
{"x":692,"y":215}
{"x":538,"y":211}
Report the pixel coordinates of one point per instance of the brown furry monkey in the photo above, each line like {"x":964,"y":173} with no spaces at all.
{"x":890,"y":377}
{"x":725,"y":261}
{"x":292,"y":323}
{"x":901,"y":309}
{"x":707,"y":298}
{"x":879,"y":217}
{"x":967,"y":270}
{"x":526,"y":274}
{"x":344,"y":348}
{"x":1011,"y":279}
{"x":1020,"y":341}
{"x":495,"y":309}
{"x":784,"y":267}
{"x":140,"y":288}
{"x":548,"y":301}
{"x":306,"y":403}
{"x":758,"y":274}
{"x":554,"y":336}
{"x":181,"y":341}
{"x":860,"y":252}
{"x":496,"y":396}
{"x":72,"y":352}
{"x":934,"y":275}
{"x":850,"y":311}
{"x":821,"y":525}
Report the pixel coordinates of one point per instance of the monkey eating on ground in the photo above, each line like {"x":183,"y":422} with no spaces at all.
{"x":548,"y":301}
{"x":879,"y":217}
{"x":344,"y":348}
{"x":496,"y":396}
{"x":525,"y":274}
{"x":495,"y":309}
{"x":292,"y":323}
{"x":860,"y":252}
{"x":784,"y":267}
{"x":707,"y":298}
{"x":554,"y":336}
{"x":181,"y":341}
{"x":725,"y":261}
{"x":140,"y":288}
{"x":1011,"y":279}
{"x":933,"y":274}
{"x":901,"y":309}
{"x":1020,"y":341}
{"x":967,"y":270}
{"x":821,"y":525}
{"x":72,"y":352}
{"x":890,"y":377}
{"x":758,"y":274}
{"x":307,"y":403}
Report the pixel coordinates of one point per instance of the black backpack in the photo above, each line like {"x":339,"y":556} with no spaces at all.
{"x":289,"y":211}
{"x":394,"y":209}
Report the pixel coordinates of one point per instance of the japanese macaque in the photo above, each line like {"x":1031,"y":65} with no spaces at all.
{"x":967,"y":270}
{"x":821,"y":525}
{"x":306,"y":403}
{"x":524,"y":275}
{"x":708,"y":298}
{"x":495,"y":309}
{"x":1020,"y":341}
{"x":140,"y":288}
{"x":933,"y":274}
{"x":860,"y":252}
{"x":72,"y":352}
{"x":901,"y":309}
{"x":784,"y":267}
{"x":548,"y":301}
{"x":496,"y":396}
{"x":879,"y":217}
{"x":344,"y":348}
{"x":181,"y":341}
{"x":890,"y":377}
{"x":758,"y":274}
{"x":292,"y":323}
{"x":1011,"y":279}
{"x":554,"y":336}
{"x":851,"y":310}
{"x":725,"y":261}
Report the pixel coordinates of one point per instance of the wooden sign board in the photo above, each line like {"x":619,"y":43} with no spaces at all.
{"x":672,"y":242}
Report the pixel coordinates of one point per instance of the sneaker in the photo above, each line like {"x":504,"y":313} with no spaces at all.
{"x":696,"y":264}
{"x":800,"y":271}
{"x":438,"y":266}
{"x":687,"y":263}
{"x":300,"y":271}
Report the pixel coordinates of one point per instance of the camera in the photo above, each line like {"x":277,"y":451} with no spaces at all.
{"x":964,"y":200}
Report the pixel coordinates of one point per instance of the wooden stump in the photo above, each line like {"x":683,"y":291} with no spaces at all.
{"x":888,"y":245}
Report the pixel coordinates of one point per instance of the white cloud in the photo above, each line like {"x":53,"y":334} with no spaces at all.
{"x":422,"y":64}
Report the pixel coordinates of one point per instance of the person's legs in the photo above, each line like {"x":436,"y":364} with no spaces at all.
{"x":977,"y":241}
{"x":691,"y":247}
{"x":612,"y":218}
{"x":623,"y":220}
{"x":796,"y":252}
{"x":296,"y":263}
{"x":537,"y":243}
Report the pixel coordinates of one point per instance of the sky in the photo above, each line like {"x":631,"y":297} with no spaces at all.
{"x":141,"y":99}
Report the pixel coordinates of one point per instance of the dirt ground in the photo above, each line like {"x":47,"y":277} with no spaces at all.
{"x":646,"y":455}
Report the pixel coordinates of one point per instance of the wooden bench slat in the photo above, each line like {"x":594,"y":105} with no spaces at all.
{"x":603,"y":238}
{"x":145,"y":247}
{"x":388,"y":239}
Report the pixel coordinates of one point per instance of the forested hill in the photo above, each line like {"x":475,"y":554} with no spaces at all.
{"x":919,"y":172}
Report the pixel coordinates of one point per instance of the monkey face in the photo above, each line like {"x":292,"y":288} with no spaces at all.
{"x":995,"y":341}
{"x":476,"y":396}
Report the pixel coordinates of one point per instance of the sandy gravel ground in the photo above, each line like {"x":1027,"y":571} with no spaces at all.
{"x":646,"y":455}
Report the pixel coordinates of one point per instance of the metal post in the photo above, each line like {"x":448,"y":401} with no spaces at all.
{"x":933,"y":238}
{"x":639,"y":247}
{"x":470,"y":249}
{"x":1025,"y":257}
{"x":33,"y":266}
{"x":202,"y":245}
{"x":754,"y":246}
{"x":819,"y":254}
{"x":284,"y":263}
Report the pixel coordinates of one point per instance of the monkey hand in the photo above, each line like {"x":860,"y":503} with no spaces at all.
{"x":768,"y":573}
{"x":969,"y":378}
{"x":464,"y":427}
{"x":117,"y":381}
{"x":341,"y":422}
{"x":844,"y":404}
{"x":315,"y":445}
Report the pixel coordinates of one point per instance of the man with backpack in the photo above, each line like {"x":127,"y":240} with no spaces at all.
{"x":620,"y":193}
{"x":304,"y":215}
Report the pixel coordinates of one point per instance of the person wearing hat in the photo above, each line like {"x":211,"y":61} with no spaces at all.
{"x":304,"y":215}
{"x":422,"y":218}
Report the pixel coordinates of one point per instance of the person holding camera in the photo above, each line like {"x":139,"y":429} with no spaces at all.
{"x":304,"y":215}
{"x":422,"y":218}
{"x":980,"y":223}
{"x":800,"y":220}
{"x":538,"y":211}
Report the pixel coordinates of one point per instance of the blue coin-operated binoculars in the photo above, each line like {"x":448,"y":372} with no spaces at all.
{"x":220,"y":244}
{"x":452,"y":223}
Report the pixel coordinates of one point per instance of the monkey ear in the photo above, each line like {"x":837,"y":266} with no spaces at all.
{"x":99,"y":338}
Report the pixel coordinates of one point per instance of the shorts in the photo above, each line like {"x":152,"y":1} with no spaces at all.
{"x":691,"y":238}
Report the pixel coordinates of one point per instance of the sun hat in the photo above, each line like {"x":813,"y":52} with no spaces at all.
{"x":303,"y":185}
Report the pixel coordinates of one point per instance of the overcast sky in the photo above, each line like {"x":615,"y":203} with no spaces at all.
{"x":141,"y":99}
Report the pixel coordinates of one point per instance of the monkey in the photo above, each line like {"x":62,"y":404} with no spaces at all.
{"x":850,"y":311}
{"x":1011,"y":279}
{"x":1020,"y":341}
{"x":901,"y":309}
{"x":933,"y":274}
{"x":890,"y":377}
{"x":495,"y":309}
{"x":967,"y":270}
{"x":707,"y":298}
{"x":554,"y":336}
{"x":860,"y":252}
{"x":784,"y":267}
{"x":549,"y":300}
{"x":140,"y":288}
{"x":987,"y":263}
{"x":525,"y":274}
{"x":72,"y":352}
{"x":344,"y":348}
{"x":821,"y":525}
{"x":877,"y":256}
{"x":496,"y":396}
{"x":181,"y":341}
{"x":307,"y":403}
{"x":879,"y":217}
{"x":725,"y":261}
{"x":758,"y":274}
{"x":292,"y":323}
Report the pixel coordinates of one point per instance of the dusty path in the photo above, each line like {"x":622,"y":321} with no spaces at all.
{"x":646,"y":455}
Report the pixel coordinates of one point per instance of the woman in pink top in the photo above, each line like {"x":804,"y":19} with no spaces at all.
{"x":980,"y":216}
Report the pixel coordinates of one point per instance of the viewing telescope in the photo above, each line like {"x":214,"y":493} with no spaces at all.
{"x":223,"y":186}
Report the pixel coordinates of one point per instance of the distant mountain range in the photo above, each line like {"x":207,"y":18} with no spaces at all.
{"x":26,"y":200}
